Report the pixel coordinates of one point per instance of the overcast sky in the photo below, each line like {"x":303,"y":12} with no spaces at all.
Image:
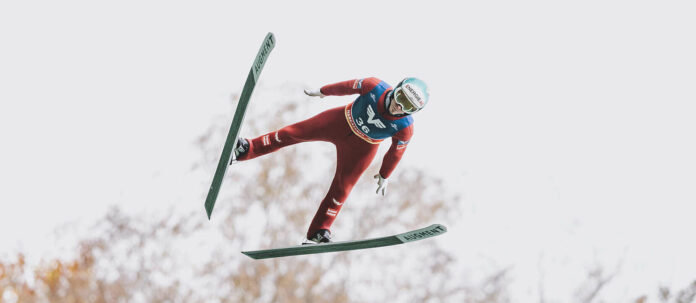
{"x":568,"y":127}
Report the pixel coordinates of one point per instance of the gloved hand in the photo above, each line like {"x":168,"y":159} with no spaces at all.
{"x":381,"y":184}
{"x":314,"y":93}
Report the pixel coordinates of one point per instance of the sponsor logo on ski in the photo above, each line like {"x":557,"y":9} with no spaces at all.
{"x":336,"y":202}
{"x":331,"y":212}
{"x":266,"y":140}
{"x":276,"y":137}
{"x":424,"y":234}
{"x":263,"y":54}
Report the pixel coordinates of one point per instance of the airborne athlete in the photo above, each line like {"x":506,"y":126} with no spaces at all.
{"x":356,"y":130}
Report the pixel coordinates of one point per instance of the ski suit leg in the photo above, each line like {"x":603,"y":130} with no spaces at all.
{"x":325,"y":126}
{"x":353,"y":157}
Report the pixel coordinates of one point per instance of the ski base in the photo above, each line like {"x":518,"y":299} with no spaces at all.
{"x":411,"y":236}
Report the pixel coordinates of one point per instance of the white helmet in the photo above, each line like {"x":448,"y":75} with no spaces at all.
{"x":412,"y":94}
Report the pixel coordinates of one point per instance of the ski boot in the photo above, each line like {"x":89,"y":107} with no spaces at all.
{"x":321,"y":236}
{"x":241,"y":150}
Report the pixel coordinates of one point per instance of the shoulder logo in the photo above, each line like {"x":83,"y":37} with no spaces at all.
{"x":371,"y":118}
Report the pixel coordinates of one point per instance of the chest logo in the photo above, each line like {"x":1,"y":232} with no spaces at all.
{"x":371,"y":118}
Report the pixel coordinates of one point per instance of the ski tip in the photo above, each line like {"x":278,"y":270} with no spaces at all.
{"x":270,"y":41}
{"x":440,"y":226}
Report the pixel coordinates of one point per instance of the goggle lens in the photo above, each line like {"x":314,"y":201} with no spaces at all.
{"x":402,"y":100}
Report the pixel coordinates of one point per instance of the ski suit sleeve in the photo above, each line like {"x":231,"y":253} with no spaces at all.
{"x":396,"y":151}
{"x":350,"y":87}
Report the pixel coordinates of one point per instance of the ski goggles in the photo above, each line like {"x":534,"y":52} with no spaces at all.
{"x":401,"y":99}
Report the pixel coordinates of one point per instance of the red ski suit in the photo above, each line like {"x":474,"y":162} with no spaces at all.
{"x":355,"y":149}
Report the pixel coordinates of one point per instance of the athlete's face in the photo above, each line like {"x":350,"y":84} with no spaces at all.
{"x":395,"y":108}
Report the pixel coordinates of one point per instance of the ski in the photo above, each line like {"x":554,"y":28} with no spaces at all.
{"x":411,"y":236}
{"x":231,"y":141}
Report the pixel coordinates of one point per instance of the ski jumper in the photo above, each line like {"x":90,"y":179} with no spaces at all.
{"x":356,"y":130}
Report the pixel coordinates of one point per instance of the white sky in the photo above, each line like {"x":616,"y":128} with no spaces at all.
{"x":568,"y":127}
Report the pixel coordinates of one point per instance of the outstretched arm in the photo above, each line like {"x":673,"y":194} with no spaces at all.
{"x":349,"y":87}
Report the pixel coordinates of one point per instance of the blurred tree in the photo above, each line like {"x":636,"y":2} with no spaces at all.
{"x":666,"y":295}
{"x":597,"y":280}
{"x":180,"y":256}
{"x":685,"y":295}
